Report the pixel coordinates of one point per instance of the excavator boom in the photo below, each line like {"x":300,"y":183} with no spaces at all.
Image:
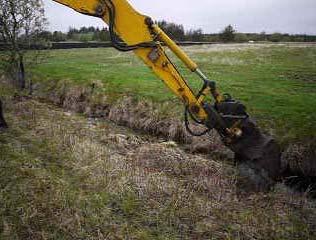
{"x":136,"y":29}
{"x":132,"y":31}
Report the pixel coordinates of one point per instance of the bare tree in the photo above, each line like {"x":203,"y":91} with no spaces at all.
{"x":21,"y":22}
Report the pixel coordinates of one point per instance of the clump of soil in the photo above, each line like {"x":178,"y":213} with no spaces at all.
{"x":299,"y":166}
{"x":300,"y":158}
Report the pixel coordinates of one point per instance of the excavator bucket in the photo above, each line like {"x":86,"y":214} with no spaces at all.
{"x":258,"y":158}
{"x":257,"y":155}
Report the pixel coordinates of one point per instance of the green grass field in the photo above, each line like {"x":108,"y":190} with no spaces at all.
{"x":276,"y":82}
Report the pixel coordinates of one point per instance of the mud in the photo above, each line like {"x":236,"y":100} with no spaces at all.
{"x":300,"y":159}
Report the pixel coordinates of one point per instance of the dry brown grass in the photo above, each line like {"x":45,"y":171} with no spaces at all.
{"x":67,"y":177}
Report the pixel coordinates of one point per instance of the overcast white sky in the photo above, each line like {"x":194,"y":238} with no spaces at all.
{"x":290,"y":16}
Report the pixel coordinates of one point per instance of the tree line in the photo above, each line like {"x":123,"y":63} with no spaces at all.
{"x":88,"y":34}
{"x":83,"y":34}
{"x":229,"y":34}
{"x":178,"y":33}
{"x":175,"y":31}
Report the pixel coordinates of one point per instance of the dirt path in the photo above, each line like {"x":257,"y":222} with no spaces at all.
{"x":68,"y":177}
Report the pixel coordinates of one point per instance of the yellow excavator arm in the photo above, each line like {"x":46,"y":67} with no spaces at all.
{"x":145,"y":38}
{"x":132,"y":31}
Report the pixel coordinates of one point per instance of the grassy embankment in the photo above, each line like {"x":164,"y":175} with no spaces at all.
{"x":277,"y":83}
{"x":63,"y":177}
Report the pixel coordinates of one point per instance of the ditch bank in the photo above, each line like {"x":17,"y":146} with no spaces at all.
{"x":298,"y":159}
{"x":139,"y":115}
